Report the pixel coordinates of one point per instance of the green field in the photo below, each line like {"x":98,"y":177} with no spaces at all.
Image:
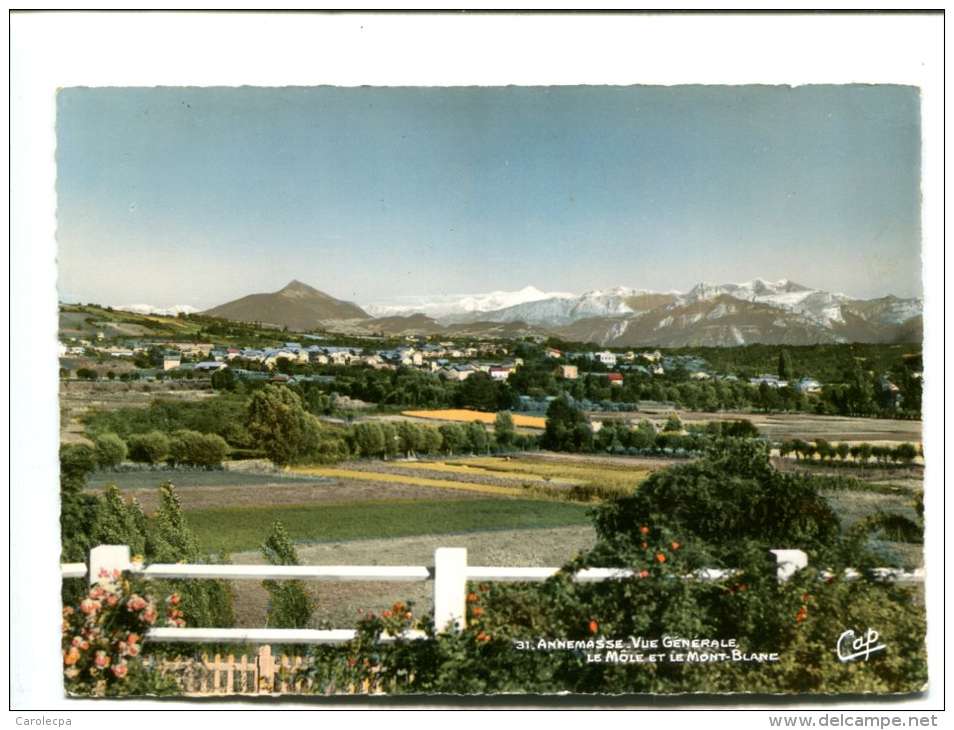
{"x":235,"y":529}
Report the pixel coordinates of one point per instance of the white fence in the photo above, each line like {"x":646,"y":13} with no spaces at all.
{"x":449,"y":573}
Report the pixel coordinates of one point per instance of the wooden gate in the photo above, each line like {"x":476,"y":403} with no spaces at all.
{"x":242,"y":675}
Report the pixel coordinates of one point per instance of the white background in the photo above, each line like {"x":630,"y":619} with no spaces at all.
{"x":50,"y":50}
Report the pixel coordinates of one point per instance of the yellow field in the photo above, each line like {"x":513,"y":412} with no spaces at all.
{"x":615,"y":477}
{"x":368,"y":476}
{"x":466,"y":415}
{"x":467,"y":468}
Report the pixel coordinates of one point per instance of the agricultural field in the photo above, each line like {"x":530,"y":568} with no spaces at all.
{"x":783,"y":426}
{"x":574,"y":478}
{"x":236,"y":529}
{"x":516,"y":510}
{"x":80,"y":398}
{"x":466,"y":415}
{"x":339,"y":603}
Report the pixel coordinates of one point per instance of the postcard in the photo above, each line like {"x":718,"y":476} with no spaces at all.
{"x":453,"y":392}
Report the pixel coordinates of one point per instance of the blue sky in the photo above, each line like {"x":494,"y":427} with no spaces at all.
{"x":197,"y":196}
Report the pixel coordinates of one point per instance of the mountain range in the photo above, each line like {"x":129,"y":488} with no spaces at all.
{"x":757,"y":311}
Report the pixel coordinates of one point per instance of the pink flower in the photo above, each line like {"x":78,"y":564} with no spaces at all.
{"x":89,"y":606}
{"x":120,"y":670}
{"x":101,"y":660}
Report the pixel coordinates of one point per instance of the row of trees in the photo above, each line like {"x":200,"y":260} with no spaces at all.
{"x":863,"y":453}
{"x":283,"y":429}
{"x":569,"y":429}
{"x":182,"y":447}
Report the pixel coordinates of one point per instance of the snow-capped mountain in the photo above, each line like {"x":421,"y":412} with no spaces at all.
{"x":451,"y":305}
{"x":172,"y":311}
{"x":820,"y":306}
{"x":558,"y":310}
{"x":771,"y":312}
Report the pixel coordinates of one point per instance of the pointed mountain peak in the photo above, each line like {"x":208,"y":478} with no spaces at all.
{"x":298,"y":286}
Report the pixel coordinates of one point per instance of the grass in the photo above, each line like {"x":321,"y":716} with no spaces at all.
{"x":465,"y":415}
{"x":237,"y":529}
{"x":374,"y":476}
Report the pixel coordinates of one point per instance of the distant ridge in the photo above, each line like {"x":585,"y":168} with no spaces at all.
{"x":718,"y":315}
{"x":297,"y":306}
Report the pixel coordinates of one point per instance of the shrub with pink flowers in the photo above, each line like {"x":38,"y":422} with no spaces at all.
{"x":102,"y":638}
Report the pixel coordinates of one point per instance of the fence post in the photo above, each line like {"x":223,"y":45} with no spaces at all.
{"x":266,"y":669}
{"x":450,"y":588}
{"x":108,"y":558}
{"x":789,"y":561}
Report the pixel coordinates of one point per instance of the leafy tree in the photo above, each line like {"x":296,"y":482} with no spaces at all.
{"x":86,"y":374}
{"x":117,"y":522}
{"x":645,"y":435}
{"x":453,"y":438}
{"x":110,"y":450}
{"x":504,"y":430}
{"x":169,"y":539}
{"x":479,"y":391}
{"x":477,"y":437}
{"x":224,"y":379}
{"x":905,"y":453}
{"x":566,"y":427}
{"x":673,"y":424}
{"x":77,"y":461}
{"x":785,"y":371}
{"x":197,"y":449}
{"x":149,"y":448}
{"x":732,"y":491}
{"x":290,"y":605}
{"x":433,"y":441}
{"x":391,"y":439}
{"x":280,"y":426}
{"x":410,"y":437}
{"x":368,"y":439}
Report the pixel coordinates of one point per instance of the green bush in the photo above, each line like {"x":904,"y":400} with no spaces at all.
{"x":192,"y":448}
{"x":110,"y":450}
{"x":149,"y":448}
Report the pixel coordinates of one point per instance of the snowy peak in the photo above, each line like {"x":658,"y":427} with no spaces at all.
{"x":450,"y":305}
{"x":172,"y":311}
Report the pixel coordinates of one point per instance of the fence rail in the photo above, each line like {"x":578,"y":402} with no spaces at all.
{"x":450,"y":574}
